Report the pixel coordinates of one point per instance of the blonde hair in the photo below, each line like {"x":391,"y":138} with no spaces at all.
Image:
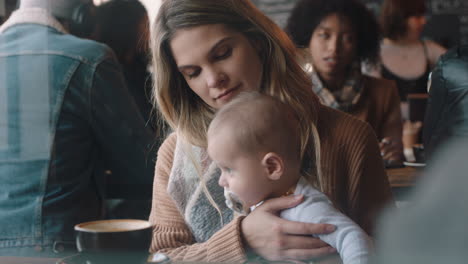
{"x":282,"y":77}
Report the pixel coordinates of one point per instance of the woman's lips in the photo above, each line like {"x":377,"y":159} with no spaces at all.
{"x":331,"y":60}
{"x":227,"y":93}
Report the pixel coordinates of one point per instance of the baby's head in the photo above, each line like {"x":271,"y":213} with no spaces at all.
{"x":255,"y":142}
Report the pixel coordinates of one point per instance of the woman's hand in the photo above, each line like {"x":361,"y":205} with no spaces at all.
{"x":274,"y":238}
{"x":391,"y":150}
{"x":410,"y":133}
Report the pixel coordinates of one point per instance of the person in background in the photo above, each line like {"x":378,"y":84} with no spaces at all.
{"x":447,"y":110}
{"x":205,"y":52}
{"x":406,"y":58}
{"x":432,"y":229}
{"x":123,"y":25}
{"x":253,"y":141}
{"x":64,"y":106}
{"x":339,"y":36}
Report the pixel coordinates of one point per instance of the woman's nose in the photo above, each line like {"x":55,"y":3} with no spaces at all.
{"x":216,"y":80}
{"x":333,"y":44}
{"x":423,"y":20}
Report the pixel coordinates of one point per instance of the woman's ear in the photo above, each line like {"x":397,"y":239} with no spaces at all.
{"x":274,"y":166}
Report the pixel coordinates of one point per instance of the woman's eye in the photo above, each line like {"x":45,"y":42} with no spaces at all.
{"x":348,"y":38}
{"x":192,"y":74}
{"x":324,"y":36}
{"x":223,"y":53}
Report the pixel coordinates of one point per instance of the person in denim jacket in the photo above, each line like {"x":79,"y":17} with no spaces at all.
{"x":64,"y":108}
{"x":447,"y":109}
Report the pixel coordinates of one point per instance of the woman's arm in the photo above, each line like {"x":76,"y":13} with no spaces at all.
{"x":353,"y":170}
{"x":391,"y":145}
{"x":369,"y":189}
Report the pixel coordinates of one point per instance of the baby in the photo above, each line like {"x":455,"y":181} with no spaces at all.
{"x":254,"y":141}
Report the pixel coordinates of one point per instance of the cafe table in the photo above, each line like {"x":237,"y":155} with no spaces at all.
{"x":24,"y":260}
{"x":402,"y":181}
{"x":403,"y":177}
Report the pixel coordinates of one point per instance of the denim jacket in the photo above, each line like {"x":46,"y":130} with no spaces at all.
{"x":64,"y":108}
{"x":447,"y":109}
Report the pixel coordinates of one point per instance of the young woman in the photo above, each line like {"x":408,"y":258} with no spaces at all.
{"x":339,"y":36}
{"x":405,"y":57}
{"x":205,"y":52}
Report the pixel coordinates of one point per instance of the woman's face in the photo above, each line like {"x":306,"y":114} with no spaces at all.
{"x":332,"y":46}
{"x":217,"y":63}
{"x":415,"y":25}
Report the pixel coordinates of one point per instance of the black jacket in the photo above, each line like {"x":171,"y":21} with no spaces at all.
{"x":447,"y":111}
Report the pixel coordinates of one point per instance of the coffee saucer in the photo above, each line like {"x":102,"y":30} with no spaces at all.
{"x":84,"y":259}
{"x":73,"y":259}
{"x":414,"y":164}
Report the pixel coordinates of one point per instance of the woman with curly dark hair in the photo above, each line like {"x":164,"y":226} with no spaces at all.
{"x":340,"y":36}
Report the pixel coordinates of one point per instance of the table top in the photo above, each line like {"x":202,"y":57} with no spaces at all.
{"x":403,"y":177}
{"x":398,"y":177}
{"x":24,"y":260}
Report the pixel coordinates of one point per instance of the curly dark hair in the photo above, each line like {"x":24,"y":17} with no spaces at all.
{"x":307,"y":15}
{"x":394,"y":13}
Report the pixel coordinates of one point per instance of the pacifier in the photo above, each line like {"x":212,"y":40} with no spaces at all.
{"x":234,"y":203}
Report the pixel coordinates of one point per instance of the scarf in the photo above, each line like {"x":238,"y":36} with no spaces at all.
{"x":344,"y":99}
{"x":187,"y":191}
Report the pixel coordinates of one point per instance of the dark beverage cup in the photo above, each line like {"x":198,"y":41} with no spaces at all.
{"x":418,"y":151}
{"x":114,"y":241}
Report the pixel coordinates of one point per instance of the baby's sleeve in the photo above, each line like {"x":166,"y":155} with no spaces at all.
{"x":350,"y":241}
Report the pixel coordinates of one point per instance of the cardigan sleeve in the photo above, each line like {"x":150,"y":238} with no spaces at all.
{"x":392,"y":122}
{"x":369,"y":190}
{"x":353,"y":170}
{"x":172,"y":236}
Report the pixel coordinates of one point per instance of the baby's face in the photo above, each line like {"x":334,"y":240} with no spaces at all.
{"x":242,"y":175}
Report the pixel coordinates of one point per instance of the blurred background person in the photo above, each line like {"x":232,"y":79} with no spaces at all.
{"x":6,"y":7}
{"x":64,"y":107}
{"x":408,"y":60}
{"x":123,"y":25}
{"x":339,"y":35}
{"x":447,"y":111}
{"x":432,"y":229}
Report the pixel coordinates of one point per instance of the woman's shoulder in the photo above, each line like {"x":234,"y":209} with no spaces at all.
{"x":434,"y":50}
{"x":168,"y":146}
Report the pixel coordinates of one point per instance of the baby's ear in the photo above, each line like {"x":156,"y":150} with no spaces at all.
{"x":274,"y":166}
